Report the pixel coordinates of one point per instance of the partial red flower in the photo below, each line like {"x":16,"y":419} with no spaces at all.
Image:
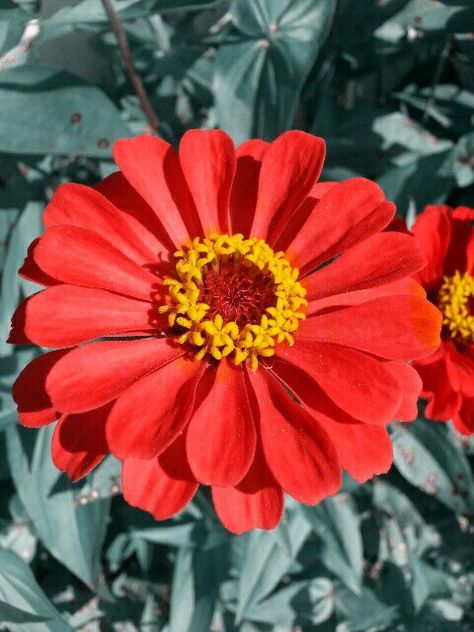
{"x":201,"y":336}
{"x":446,"y":236}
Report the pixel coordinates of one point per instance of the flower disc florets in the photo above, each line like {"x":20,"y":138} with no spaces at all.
{"x":456,"y":302}
{"x":234,"y":297}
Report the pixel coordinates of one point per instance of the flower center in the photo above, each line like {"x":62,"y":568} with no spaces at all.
{"x":234,"y":297}
{"x":456,"y":302}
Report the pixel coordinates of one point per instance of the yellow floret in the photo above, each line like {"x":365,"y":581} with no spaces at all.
{"x":215,"y":336}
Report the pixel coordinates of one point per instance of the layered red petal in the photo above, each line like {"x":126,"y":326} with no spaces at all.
{"x":244,"y":193}
{"x":35,"y":408}
{"x":444,"y":399}
{"x":129,"y":231}
{"x":208,"y":162}
{"x":78,"y":256}
{"x":153,"y":169}
{"x":356,"y":297}
{"x":66,"y":315}
{"x":161,"y":486}
{"x":79,"y":442}
{"x":364,"y":450}
{"x":432,"y":230}
{"x":347,"y":214}
{"x":410,"y":388}
{"x":291,"y":166}
{"x":151,"y":413}
{"x":298,"y":450}
{"x":221,"y":436}
{"x":396,"y":327}
{"x":358,"y":383}
{"x":94,"y":374}
{"x":381,"y":259}
{"x":256,"y":502}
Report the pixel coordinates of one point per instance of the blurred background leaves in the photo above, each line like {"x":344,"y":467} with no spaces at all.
{"x":390,"y":85}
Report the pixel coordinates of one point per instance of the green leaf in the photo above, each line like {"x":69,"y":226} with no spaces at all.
{"x":10,"y":614}
{"x":91,"y":12}
{"x":259,"y":75}
{"x":303,"y":601}
{"x":195,"y":588}
{"x":32,"y":611}
{"x":336,"y":524}
{"x":182,"y":591}
{"x":426,"y":15}
{"x":266,"y":559}
{"x":77,"y":119}
{"x":12,"y":24}
{"x":424,"y":455}
{"x":363,"y":612}
{"x":73,"y":533}
{"x":27,"y":227}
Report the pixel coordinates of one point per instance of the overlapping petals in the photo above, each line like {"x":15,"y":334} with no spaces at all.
{"x":122,"y":379}
{"x":446,"y":237}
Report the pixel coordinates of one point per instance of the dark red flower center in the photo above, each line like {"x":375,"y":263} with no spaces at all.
{"x":234,"y":297}
{"x":239,"y":292}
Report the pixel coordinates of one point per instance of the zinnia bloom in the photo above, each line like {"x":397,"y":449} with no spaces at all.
{"x":201,"y":336}
{"x":446,"y":237}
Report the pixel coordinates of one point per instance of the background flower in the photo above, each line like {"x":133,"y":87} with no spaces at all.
{"x":446,"y":236}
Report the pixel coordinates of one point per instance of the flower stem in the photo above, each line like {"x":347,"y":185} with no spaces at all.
{"x":127,"y":60}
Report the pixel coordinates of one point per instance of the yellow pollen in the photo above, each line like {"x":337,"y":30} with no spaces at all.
{"x":455,"y":301}
{"x":208,"y":331}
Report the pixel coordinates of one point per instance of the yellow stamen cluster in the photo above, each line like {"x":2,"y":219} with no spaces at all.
{"x":455,"y":300}
{"x":213,"y":335}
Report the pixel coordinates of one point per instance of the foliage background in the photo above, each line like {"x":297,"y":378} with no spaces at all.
{"x":390,"y":85}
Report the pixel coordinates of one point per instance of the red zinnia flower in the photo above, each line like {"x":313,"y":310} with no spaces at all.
{"x":233,"y":358}
{"x":446,"y":237}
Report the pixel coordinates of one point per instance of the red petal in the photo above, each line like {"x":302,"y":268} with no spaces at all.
{"x":221,"y":434}
{"x":34,"y":405}
{"x":459,"y":255}
{"x":380,"y":259}
{"x":299,"y":452}
{"x":79,"y":442}
{"x":464,"y":419}
{"x":78,"y":256}
{"x":151,"y":413}
{"x":65,"y":315}
{"x":243,"y":196}
{"x":463,"y":366}
{"x":356,"y":382}
{"x":410,"y":387}
{"x":445,"y":400}
{"x":30,"y":269}
{"x":363,"y":450}
{"x":92,"y":375}
{"x":256,"y":502}
{"x":161,"y":486}
{"x":432,"y":230}
{"x":144,"y":225}
{"x":398,"y":327}
{"x":79,"y":205}
{"x":291,"y":166}
{"x":301,"y":215}
{"x":152,"y":167}
{"x":350,"y":212}
{"x":208,"y":162}
{"x":308,"y":391}
{"x":404,"y":286}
